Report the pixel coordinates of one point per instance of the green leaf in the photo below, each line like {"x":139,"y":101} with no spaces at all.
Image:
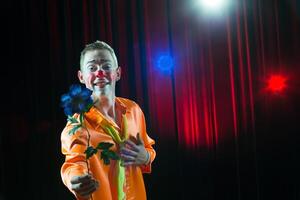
{"x":112,"y":155}
{"x":107,"y":155}
{"x":72,"y":120}
{"x":90,"y":151}
{"x":105,"y":158}
{"x":81,"y":118}
{"x":74,"y":129}
{"x":104,"y":145}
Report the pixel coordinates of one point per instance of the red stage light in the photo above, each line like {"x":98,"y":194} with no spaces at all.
{"x":276,"y":83}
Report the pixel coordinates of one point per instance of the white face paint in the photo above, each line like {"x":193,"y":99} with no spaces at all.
{"x":99,"y":72}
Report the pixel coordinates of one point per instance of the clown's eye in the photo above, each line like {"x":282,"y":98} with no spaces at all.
{"x":92,"y":68}
{"x":107,"y":67}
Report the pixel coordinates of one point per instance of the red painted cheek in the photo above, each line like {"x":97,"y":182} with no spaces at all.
{"x":89,"y":84}
{"x":113,"y":76}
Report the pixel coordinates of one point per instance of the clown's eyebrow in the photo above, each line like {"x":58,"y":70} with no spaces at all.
{"x":101,"y":60}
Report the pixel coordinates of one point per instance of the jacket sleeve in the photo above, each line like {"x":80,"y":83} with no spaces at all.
{"x":73,"y":147}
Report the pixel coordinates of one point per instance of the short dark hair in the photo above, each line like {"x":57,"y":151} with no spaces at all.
{"x":98,"y":45}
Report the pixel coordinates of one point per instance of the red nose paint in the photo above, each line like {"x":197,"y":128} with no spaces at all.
{"x":100,"y":74}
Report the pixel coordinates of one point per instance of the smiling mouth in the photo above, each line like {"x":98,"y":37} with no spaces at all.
{"x":101,"y":84}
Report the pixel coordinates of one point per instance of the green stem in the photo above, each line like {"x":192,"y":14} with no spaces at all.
{"x":88,"y":144}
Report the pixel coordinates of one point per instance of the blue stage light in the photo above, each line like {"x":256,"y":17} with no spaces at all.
{"x":165,"y":62}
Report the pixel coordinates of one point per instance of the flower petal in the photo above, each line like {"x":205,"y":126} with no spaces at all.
{"x":68,"y":111}
{"x":75,"y":89}
{"x":86,"y":93}
{"x":65,"y":98}
{"x":81,"y":107}
{"x":78,"y":100}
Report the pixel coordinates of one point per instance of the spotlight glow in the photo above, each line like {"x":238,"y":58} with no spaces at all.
{"x":165,"y":62}
{"x":277,"y":83}
{"x":215,"y":7}
{"x":213,"y":4}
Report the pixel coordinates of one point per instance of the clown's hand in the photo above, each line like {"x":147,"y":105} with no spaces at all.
{"x":84,"y":185}
{"x":134,"y":153}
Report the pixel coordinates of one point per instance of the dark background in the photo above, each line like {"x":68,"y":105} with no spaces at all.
{"x":220,"y":134}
